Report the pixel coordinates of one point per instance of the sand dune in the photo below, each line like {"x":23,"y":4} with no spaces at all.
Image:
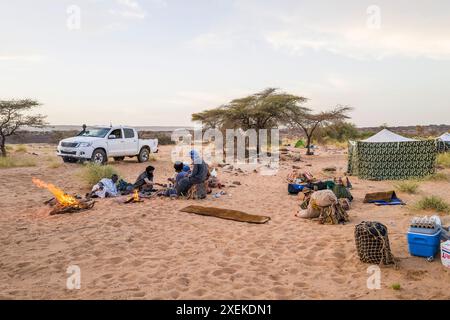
{"x":151,"y":250}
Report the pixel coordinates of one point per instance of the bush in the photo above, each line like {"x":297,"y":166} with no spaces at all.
{"x":16,"y":162}
{"x":92,"y":173}
{"x":433,"y":203}
{"x":164,"y":137}
{"x":407,"y":186}
{"x":54,"y":164}
{"x":443,"y":159}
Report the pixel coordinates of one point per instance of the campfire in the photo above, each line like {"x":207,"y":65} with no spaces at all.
{"x":61,"y":201}
{"x":135,"y":198}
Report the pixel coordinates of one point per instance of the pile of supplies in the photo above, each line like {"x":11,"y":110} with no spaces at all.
{"x":424,"y":239}
{"x":324,"y":206}
{"x":372,"y":243}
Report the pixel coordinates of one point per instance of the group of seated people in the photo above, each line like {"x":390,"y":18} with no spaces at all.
{"x":180,"y":184}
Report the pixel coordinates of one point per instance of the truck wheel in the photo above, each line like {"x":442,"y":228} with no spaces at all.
{"x":144,"y":155}
{"x":99,"y":156}
{"x":69,"y":159}
{"x":119,"y":158}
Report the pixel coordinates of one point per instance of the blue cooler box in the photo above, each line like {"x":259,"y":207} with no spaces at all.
{"x":424,"y":245}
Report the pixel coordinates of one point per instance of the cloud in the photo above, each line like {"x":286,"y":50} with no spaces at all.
{"x":25,"y":58}
{"x":343,"y":29}
{"x":129,"y":9}
{"x":212,"y":40}
{"x":362,"y":44}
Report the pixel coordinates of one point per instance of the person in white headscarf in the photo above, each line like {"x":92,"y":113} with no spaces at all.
{"x":106,"y":188}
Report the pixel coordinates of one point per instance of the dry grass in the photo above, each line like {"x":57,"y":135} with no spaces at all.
{"x":92,"y":173}
{"x":440,"y":176}
{"x":443,"y":159}
{"x":433,"y":203}
{"x":337,"y":144}
{"x":16,"y":162}
{"x":54,"y":164}
{"x":410,"y":187}
{"x":21,"y":148}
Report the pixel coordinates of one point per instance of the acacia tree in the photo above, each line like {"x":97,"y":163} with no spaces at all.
{"x":303,"y":118}
{"x":263,"y":110}
{"x":13,"y":116}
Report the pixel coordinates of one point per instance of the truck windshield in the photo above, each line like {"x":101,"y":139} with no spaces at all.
{"x":94,"y":132}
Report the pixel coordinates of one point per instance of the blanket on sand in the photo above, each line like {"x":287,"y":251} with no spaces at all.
{"x":226,"y":214}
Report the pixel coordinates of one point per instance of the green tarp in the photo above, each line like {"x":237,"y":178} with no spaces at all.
{"x":392,"y":160}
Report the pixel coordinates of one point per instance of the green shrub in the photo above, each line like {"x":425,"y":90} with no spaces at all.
{"x":92,"y":173}
{"x":396,"y":286}
{"x":443,"y":159}
{"x":433,"y":203}
{"x":410,"y":187}
{"x":16,"y":162}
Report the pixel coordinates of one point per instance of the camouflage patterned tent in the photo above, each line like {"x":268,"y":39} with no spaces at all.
{"x":388,"y":156}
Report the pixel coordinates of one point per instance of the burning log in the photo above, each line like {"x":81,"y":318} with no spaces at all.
{"x":135,"y":198}
{"x":81,"y":206}
{"x":62,"y":202}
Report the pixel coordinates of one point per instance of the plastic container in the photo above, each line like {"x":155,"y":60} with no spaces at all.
{"x":424,"y":245}
{"x":445,"y":253}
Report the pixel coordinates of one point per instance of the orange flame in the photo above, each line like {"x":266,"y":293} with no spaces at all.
{"x":136,"y":196}
{"x":63,"y":198}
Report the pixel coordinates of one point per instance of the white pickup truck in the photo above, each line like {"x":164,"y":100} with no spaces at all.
{"x":98,"y":143}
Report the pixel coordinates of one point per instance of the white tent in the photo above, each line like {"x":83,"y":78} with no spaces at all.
{"x":387,"y":136}
{"x":445,"y":137}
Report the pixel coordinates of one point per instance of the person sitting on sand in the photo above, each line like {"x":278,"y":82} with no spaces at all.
{"x":181,"y":171}
{"x":198,"y":176}
{"x":105,"y":188}
{"x":144,"y":182}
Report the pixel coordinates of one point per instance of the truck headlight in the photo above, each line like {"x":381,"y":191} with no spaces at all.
{"x":85,"y":144}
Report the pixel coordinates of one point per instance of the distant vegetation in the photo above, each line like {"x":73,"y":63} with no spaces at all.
{"x":340,"y":133}
{"x":433,"y":203}
{"x":164,"y":137}
{"x":92,"y":173}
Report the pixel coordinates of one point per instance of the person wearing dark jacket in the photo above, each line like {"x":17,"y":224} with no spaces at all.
{"x":145,"y":180}
{"x":197,"y":177}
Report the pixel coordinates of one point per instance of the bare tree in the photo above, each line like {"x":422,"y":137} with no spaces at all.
{"x":13,"y":116}
{"x":302,"y":118}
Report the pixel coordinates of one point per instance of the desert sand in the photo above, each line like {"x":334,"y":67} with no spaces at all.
{"x":151,"y":250}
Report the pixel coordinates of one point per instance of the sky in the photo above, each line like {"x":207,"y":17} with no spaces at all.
{"x":155,"y":62}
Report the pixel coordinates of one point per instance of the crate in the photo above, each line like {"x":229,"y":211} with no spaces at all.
{"x":424,"y":245}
